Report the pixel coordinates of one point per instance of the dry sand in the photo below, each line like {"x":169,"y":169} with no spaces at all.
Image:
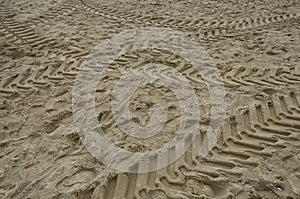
{"x":256,"y":47}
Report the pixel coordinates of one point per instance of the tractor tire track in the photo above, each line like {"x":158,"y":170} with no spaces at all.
{"x":260,"y":130}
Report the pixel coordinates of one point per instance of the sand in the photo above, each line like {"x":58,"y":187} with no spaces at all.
{"x":255,"y":45}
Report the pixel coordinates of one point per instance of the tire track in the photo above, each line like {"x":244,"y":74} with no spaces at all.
{"x":19,"y":33}
{"x":93,"y":9}
{"x":259,"y":131}
{"x":55,"y":12}
{"x":63,"y":9}
{"x":66,"y":71}
{"x":51,"y":74}
{"x":260,"y":76}
{"x":256,"y":133}
{"x":22,"y":33}
{"x":203,"y":29}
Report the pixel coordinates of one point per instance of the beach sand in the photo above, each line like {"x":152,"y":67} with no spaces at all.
{"x":254,"y":44}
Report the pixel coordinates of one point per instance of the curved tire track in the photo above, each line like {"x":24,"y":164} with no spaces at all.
{"x":259,"y":131}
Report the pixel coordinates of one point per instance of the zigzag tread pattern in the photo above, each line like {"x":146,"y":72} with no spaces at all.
{"x":62,"y":9}
{"x":205,"y":30}
{"x":259,"y":76}
{"x":17,"y":32}
{"x":67,"y":71}
{"x":261,"y":129}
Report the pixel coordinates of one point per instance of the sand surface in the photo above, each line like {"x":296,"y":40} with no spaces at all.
{"x":256,"y":47}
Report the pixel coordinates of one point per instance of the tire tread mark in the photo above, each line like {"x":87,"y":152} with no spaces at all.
{"x":253,"y":133}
